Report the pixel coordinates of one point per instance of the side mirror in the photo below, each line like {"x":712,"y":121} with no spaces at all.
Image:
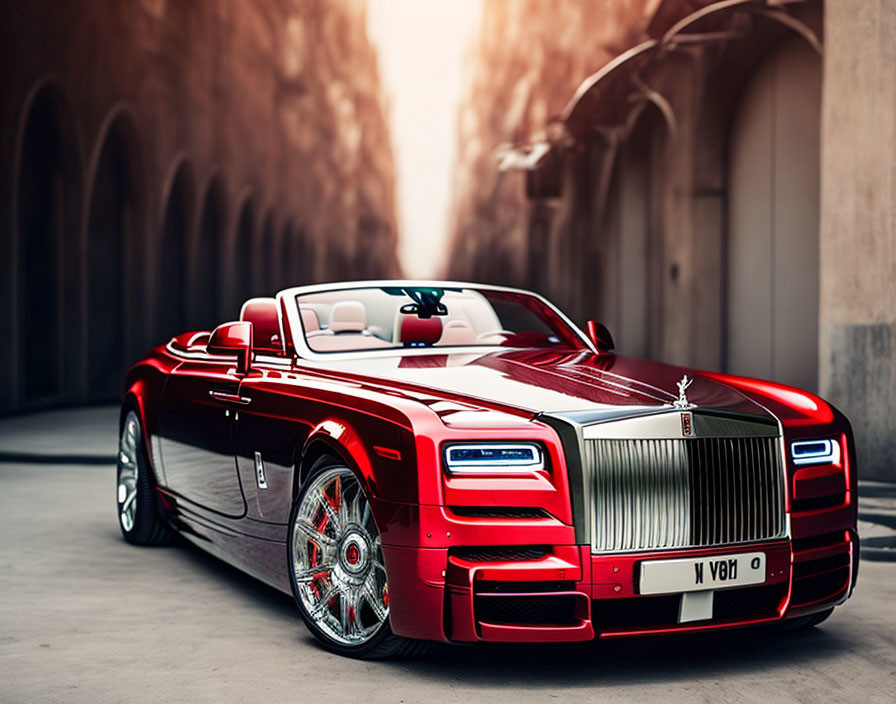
{"x":601,"y":337}
{"x":233,"y":340}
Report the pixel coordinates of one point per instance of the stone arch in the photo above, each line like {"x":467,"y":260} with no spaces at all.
{"x":115,"y":239}
{"x":303,"y":260}
{"x":265,"y":284}
{"x":242,"y":262}
{"x":772,"y":225}
{"x":722,"y":81}
{"x":284,"y":243}
{"x":171,"y":255}
{"x":632,"y":228}
{"x":205,"y":258}
{"x":47,"y":214}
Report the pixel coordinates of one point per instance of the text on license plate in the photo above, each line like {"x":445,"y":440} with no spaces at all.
{"x":692,"y":574}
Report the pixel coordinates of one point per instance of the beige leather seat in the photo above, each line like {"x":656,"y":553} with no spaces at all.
{"x":348,"y":330}
{"x":310,"y":321}
{"x":348,"y":316}
{"x":457,"y":332}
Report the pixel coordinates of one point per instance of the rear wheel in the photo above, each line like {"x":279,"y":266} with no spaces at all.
{"x":336,"y":567}
{"x":138,"y":515}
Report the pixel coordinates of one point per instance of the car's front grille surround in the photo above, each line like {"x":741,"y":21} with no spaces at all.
{"x":649,"y":494}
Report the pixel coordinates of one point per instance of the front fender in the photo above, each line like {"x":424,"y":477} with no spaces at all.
{"x":379,"y":452}
{"x":342,"y":439}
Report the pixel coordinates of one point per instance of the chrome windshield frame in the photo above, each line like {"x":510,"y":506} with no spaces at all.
{"x":286,"y":300}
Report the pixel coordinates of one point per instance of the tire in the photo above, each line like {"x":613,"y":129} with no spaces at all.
{"x":336,"y":567}
{"x":138,"y":512}
{"x":806,"y":622}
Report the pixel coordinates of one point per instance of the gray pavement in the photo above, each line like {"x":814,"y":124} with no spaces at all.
{"x":86,"y":617}
{"x":88,"y":435}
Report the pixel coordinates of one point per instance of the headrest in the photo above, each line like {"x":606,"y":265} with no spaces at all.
{"x":262,"y":313}
{"x":421,"y":331}
{"x":457,"y":332}
{"x":310,"y":321}
{"x":348,"y":316}
{"x":345,"y":343}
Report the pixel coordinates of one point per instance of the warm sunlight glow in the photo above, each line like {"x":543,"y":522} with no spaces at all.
{"x":421,"y":47}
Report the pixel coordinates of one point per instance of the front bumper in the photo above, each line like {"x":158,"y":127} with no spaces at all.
{"x":502,"y":577}
{"x":566,"y":593}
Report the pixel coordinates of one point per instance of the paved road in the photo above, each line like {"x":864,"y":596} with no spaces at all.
{"x":85,"y":617}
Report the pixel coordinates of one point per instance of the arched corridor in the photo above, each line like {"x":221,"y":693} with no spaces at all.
{"x":632,"y":275}
{"x":773,"y":215}
{"x":116,"y":264}
{"x":148,"y":161}
{"x":243,"y":257}
{"x":48,"y":218}
{"x":206,"y":260}
{"x":265,"y":259}
{"x":171,"y":256}
{"x":281,"y":263}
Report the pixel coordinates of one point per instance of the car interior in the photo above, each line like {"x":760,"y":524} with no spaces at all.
{"x":371,"y":319}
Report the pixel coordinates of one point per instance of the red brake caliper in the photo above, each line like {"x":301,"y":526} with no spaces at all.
{"x":315,"y":557}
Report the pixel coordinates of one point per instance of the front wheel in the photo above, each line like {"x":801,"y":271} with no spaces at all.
{"x":336,"y":567}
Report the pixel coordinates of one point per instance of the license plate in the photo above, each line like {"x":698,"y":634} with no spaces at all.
{"x":693,"y":574}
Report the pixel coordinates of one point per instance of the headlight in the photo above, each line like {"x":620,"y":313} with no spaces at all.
{"x":494,"y":458}
{"x":815,"y":452}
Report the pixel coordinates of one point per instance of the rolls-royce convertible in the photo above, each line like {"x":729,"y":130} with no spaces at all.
{"x":419,"y":462}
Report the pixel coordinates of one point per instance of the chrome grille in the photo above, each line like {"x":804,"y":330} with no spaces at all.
{"x":654,"y":494}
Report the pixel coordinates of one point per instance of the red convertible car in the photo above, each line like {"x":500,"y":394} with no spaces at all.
{"x":433,"y":461}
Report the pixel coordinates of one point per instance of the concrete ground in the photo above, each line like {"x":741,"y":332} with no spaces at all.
{"x":88,"y":435}
{"x":86,"y":617}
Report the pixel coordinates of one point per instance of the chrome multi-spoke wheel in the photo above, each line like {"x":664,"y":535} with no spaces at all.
{"x":138,"y":513}
{"x":128,"y":471}
{"x":337,"y":560}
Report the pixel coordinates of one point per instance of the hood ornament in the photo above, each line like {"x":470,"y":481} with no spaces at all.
{"x":682,"y":400}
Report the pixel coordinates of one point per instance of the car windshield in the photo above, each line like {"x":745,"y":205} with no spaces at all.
{"x":376,"y":318}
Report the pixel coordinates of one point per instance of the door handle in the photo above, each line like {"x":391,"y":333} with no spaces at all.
{"x":230,"y":398}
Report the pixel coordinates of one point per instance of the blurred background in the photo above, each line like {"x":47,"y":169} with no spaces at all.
{"x":716,"y":181}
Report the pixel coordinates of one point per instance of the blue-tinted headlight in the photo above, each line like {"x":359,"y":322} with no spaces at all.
{"x":493,"y":458}
{"x":815,"y":452}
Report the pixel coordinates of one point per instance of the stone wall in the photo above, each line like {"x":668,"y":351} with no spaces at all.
{"x":689,"y":200}
{"x":525,"y":65}
{"x":160,"y":161}
{"x":858,"y":226}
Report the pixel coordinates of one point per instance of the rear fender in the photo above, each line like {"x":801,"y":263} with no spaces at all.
{"x":134,"y":399}
{"x":140,"y":396}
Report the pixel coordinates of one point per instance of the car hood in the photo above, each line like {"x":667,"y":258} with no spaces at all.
{"x":542,"y":381}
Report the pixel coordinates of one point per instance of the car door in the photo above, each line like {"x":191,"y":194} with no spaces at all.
{"x":196,"y":433}
{"x":269,"y":433}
